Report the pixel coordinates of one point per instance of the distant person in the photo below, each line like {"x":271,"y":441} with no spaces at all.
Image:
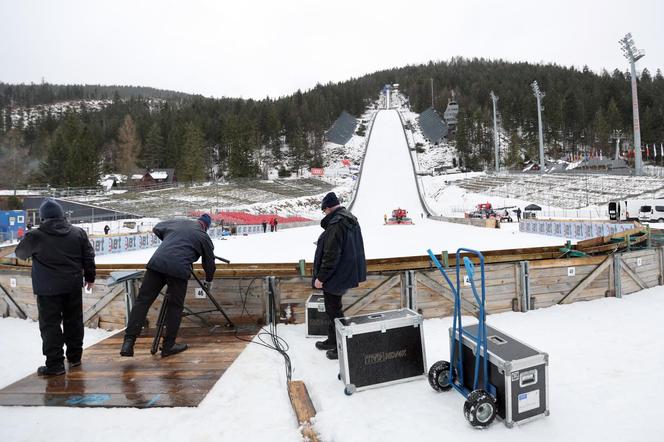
{"x":518,"y":214}
{"x":272,"y":225}
{"x":339,"y":263}
{"x":183,"y":242}
{"x":106,"y":229}
{"x":264,"y":224}
{"x":29,"y":226}
{"x":385,"y":218}
{"x":62,"y":258}
{"x":276,"y":223}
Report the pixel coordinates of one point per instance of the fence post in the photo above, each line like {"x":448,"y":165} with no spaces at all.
{"x":272,"y":300}
{"x":525,"y":286}
{"x":617,"y":274}
{"x":409,"y":290}
{"x":660,"y":256}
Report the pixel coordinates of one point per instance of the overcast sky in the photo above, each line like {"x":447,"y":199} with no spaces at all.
{"x":252,"y":49}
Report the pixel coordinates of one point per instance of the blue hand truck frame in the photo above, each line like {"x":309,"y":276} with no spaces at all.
{"x":456,"y":371}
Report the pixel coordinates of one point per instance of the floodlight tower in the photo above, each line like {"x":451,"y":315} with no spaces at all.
{"x":539,"y":95}
{"x":632,"y":54}
{"x":494,"y":98}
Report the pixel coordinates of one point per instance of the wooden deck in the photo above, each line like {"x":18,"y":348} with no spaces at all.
{"x":105,"y":379}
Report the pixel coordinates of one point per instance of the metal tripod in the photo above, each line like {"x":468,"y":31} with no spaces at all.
{"x":162,"y":311}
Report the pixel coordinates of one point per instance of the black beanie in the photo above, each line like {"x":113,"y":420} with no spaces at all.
{"x":330,"y":200}
{"x":50,"y":209}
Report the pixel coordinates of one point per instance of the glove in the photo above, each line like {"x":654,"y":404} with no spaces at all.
{"x":207,"y":286}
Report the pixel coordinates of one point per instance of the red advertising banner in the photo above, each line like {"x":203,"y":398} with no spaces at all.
{"x":317,"y":171}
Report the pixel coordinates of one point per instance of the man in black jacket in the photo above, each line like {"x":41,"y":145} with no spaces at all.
{"x":339,"y":263}
{"x":183,"y":242}
{"x":62,"y":258}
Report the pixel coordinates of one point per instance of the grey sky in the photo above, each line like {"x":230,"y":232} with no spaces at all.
{"x":258,"y":48}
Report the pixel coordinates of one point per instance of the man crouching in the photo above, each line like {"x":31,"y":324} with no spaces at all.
{"x":183,"y":242}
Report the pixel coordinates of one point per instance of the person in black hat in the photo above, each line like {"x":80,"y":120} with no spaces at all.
{"x":339,"y":263}
{"x":62,"y":258}
{"x":183,"y":242}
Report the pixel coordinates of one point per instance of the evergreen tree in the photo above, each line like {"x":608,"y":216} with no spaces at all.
{"x":192,"y":167}
{"x":129,"y":146}
{"x":154,"y":151}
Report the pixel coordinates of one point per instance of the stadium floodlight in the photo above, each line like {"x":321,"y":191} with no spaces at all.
{"x":494,"y":98}
{"x":632,"y":54}
{"x":539,"y":95}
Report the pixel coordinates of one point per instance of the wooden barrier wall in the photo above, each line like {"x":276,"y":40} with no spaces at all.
{"x":510,"y":286}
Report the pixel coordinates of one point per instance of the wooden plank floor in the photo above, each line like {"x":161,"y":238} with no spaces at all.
{"x":105,"y":379}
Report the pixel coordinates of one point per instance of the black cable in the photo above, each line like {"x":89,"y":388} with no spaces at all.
{"x":277,"y":343}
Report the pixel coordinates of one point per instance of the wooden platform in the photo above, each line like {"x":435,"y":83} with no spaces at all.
{"x":105,"y":379}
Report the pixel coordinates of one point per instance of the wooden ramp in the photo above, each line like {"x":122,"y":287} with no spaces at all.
{"x":105,"y":379}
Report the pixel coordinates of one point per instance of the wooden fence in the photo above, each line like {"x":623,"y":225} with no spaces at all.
{"x":515,"y":281}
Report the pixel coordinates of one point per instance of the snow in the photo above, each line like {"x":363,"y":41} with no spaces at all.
{"x":606,"y":378}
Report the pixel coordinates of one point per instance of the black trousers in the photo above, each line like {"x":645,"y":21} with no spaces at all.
{"x":333,"y":309}
{"x":61,"y":323}
{"x":152,"y":284}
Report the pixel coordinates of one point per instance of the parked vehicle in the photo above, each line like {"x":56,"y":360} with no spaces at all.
{"x":629,"y":210}
{"x":652,"y":213}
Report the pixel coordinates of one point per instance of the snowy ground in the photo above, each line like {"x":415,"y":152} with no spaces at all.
{"x":606,"y":383}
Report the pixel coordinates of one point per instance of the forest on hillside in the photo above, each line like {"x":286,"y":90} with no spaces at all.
{"x":204,"y":138}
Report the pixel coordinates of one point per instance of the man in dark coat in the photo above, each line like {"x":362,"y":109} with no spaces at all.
{"x":62,"y":258}
{"x":183,"y":242}
{"x":339,"y":263}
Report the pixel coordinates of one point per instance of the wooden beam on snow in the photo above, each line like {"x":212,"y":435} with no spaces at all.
{"x":303,"y":408}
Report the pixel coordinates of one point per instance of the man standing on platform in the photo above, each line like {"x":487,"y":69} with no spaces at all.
{"x":62,"y":258}
{"x":339,"y":263}
{"x":183,"y":242}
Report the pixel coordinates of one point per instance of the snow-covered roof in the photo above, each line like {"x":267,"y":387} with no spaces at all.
{"x":159,"y":175}
{"x":136,"y":176}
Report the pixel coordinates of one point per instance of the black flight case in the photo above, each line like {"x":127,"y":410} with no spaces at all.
{"x":315,"y":316}
{"x":380,"y":349}
{"x":519,"y":372}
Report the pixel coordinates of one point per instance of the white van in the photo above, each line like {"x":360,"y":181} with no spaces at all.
{"x":630,"y":210}
{"x":652,"y":213}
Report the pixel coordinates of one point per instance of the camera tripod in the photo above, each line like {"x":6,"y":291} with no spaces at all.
{"x":164,"y":305}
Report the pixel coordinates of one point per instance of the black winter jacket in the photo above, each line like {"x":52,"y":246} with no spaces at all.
{"x":339,"y":262}
{"x":183,"y":242}
{"x":61,"y":257}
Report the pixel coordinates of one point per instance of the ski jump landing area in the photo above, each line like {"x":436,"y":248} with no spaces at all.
{"x":105,"y":379}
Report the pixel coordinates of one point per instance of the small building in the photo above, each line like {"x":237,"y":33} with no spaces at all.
{"x":158,"y":176}
{"x":12,"y":225}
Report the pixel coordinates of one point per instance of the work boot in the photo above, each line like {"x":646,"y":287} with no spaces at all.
{"x":173,"y":349}
{"x":332,"y":354}
{"x":53,"y":370}
{"x":128,"y":346}
{"x":73,"y":364}
{"x":326,"y":345}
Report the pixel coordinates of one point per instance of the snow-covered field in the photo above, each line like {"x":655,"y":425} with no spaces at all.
{"x":606,"y":383}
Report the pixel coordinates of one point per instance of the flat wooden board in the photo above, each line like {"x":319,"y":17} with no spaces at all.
{"x":105,"y":379}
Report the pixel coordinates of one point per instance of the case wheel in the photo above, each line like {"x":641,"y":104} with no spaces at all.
{"x":350,"y":389}
{"x":439,"y":376}
{"x":339,"y":376}
{"x":480,"y":409}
